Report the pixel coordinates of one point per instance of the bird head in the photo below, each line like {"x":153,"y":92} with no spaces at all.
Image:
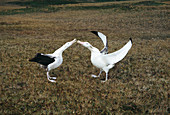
{"x":68,"y":44}
{"x":89,"y":46}
{"x":85,"y":44}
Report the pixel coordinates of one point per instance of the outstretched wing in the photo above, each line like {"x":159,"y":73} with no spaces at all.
{"x":104,"y":40}
{"x":43,"y":59}
{"x":117,"y":56}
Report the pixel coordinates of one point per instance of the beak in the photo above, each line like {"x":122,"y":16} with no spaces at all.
{"x":73,"y":41}
{"x":80,"y":42}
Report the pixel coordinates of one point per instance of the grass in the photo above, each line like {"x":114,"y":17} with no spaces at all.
{"x":139,"y":84}
{"x":149,"y":3}
{"x":54,"y":6}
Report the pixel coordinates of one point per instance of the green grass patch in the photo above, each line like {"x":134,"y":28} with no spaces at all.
{"x":48,"y":9}
{"x":42,"y":3}
{"x":117,"y":6}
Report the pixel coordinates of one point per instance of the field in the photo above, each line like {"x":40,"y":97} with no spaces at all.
{"x":139,"y":84}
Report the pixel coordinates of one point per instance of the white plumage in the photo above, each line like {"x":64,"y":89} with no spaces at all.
{"x":51,"y":61}
{"x":106,"y":61}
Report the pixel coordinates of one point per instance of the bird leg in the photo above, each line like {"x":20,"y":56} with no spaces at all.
{"x":98,"y":75}
{"x":49,"y":75}
{"x":106,"y":78}
{"x":49,"y":78}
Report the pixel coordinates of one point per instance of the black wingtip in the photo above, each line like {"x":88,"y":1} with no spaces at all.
{"x":95,"y":32}
{"x":131,"y":40}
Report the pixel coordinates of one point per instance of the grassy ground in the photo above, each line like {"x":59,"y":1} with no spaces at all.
{"x":138,"y":84}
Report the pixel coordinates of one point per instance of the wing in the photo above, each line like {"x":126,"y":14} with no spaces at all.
{"x":43,"y":59}
{"x":104,"y":40}
{"x":117,"y":56}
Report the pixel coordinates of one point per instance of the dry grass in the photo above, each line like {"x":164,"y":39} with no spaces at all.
{"x":138,"y":84}
{"x":10,"y":7}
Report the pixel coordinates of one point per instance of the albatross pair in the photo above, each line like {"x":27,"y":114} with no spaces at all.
{"x":100,"y":59}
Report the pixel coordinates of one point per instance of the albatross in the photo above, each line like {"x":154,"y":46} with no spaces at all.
{"x":106,"y":61}
{"x":51,"y":61}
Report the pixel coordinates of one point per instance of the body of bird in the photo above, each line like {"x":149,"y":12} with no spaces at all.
{"x":58,"y":61}
{"x":98,"y":60}
{"x":51,"y":61}
{"x":105,"y":61}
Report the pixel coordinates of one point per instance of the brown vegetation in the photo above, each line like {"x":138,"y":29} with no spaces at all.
{"x":138,"y":84}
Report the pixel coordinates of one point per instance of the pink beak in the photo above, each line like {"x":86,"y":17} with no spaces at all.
{"x":80,"y":42}
{"x":73,"y":41}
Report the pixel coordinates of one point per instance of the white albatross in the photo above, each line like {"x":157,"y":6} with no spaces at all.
{"x":51,"y":61}
{"x":106,"y":61}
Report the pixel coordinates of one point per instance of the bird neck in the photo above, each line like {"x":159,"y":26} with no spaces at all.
{"x":60,"y":50}
{"x":93,"y":49}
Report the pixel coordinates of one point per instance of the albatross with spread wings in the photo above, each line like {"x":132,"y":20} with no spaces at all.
{"x":105,"y":61}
